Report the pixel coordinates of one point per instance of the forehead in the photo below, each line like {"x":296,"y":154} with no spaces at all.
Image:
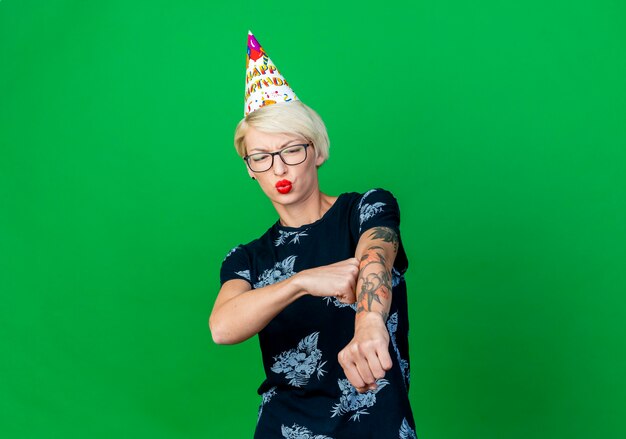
{"x":256,"y":140}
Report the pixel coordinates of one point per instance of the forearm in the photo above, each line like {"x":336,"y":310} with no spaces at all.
{"x":366,"y":358}
{"x":239,"y":313}
{"x":374,"y":280}
{"x":374,"y":284}
{"x":244,"y":315}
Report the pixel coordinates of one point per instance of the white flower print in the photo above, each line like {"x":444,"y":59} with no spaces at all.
{"x":396,"y":277}
{"x":232,"y":250}
{"x":284,"y":236}
{"x":406,"y":432}
{"x":282,"y":270}
{"x":298,"y":432}
{"x":244,"y":273}
{"x":365,"y":195}
{"x":355,"y":402}
{"x":299,"y":364}
{"x":392,"y":327}
{"x":338,"y":303}
{"x":366,"y":210}
{"x":265,"y":399}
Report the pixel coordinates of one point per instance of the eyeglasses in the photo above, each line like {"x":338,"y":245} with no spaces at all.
{"x":263,"y":161}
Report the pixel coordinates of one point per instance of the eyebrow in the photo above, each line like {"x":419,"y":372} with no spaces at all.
{"x":261,"y":149}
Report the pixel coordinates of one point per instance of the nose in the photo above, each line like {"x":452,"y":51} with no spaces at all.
{"x":280,"y":168}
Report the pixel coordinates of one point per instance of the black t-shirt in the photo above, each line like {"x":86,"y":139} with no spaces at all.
{"x":306,"y":393}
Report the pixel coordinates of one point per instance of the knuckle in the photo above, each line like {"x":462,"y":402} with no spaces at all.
{"x":368,"y":346}
{"x":386,"y":363}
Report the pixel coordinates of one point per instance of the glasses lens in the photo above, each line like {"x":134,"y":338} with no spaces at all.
{"x":260,"y":162}
{"x":294,"y":155}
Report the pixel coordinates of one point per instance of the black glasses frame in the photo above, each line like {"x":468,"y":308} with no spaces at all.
{"x":278,"y":153}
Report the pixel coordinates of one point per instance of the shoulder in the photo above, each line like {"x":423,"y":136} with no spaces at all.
{"x":362,"y":197}
{"x":377,"y":193}
{"x":377,"y":197}
{"x":375,"y":208}
{"x":369,"y":201}
{"x":252,"y":246}
{"x":240,"y":260}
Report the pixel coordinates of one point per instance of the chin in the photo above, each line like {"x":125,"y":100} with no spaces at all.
{"x":284,"y":198}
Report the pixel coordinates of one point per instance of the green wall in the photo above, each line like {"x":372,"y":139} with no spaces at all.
{"x":500,"y":127}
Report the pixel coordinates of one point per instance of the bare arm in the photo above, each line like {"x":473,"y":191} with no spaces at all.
{"x":241,"y":312}
{"x":366,"y":358}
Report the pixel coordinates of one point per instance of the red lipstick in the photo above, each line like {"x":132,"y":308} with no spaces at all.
{"x":283,"y":186}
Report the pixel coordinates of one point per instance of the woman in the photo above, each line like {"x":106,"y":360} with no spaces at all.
{"x":336,"y":361}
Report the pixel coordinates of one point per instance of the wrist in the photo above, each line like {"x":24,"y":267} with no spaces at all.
{"x":364,"y":317}
{"x":296,"y":285}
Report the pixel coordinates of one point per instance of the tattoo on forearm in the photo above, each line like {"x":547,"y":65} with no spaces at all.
{"x":367,"y":255}
{"x":376,"y":284}
{"x":387,"y":235}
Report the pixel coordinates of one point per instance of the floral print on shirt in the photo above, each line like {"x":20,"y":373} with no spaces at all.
{"x":299,"y":364}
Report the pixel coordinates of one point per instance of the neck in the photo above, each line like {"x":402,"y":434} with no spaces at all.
{"x":306,"y":211}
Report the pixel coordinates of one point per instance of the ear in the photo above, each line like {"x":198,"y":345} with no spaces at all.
{"x":318,"y":159}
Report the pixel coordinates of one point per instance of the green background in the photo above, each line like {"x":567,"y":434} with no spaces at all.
{"x":499,"y":126}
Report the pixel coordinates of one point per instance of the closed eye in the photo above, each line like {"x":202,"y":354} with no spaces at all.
{"x":293,"y":149}
{"x":259,"y":157}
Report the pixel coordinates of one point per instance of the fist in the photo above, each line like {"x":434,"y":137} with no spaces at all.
{"x":334,"y":280}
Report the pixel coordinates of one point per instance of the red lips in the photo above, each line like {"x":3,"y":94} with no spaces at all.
{"x":283,"y":186}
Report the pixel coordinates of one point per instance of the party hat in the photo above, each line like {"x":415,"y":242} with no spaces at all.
{"x":264,"y":83}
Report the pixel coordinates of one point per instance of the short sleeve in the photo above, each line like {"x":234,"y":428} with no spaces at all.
{"x":236,"y":265}
{"x":375,"y":208}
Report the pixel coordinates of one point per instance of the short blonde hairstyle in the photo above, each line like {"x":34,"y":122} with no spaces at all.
{"x":286,"y":117}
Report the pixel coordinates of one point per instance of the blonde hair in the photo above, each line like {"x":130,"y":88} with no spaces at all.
{"x":286,"y":117}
